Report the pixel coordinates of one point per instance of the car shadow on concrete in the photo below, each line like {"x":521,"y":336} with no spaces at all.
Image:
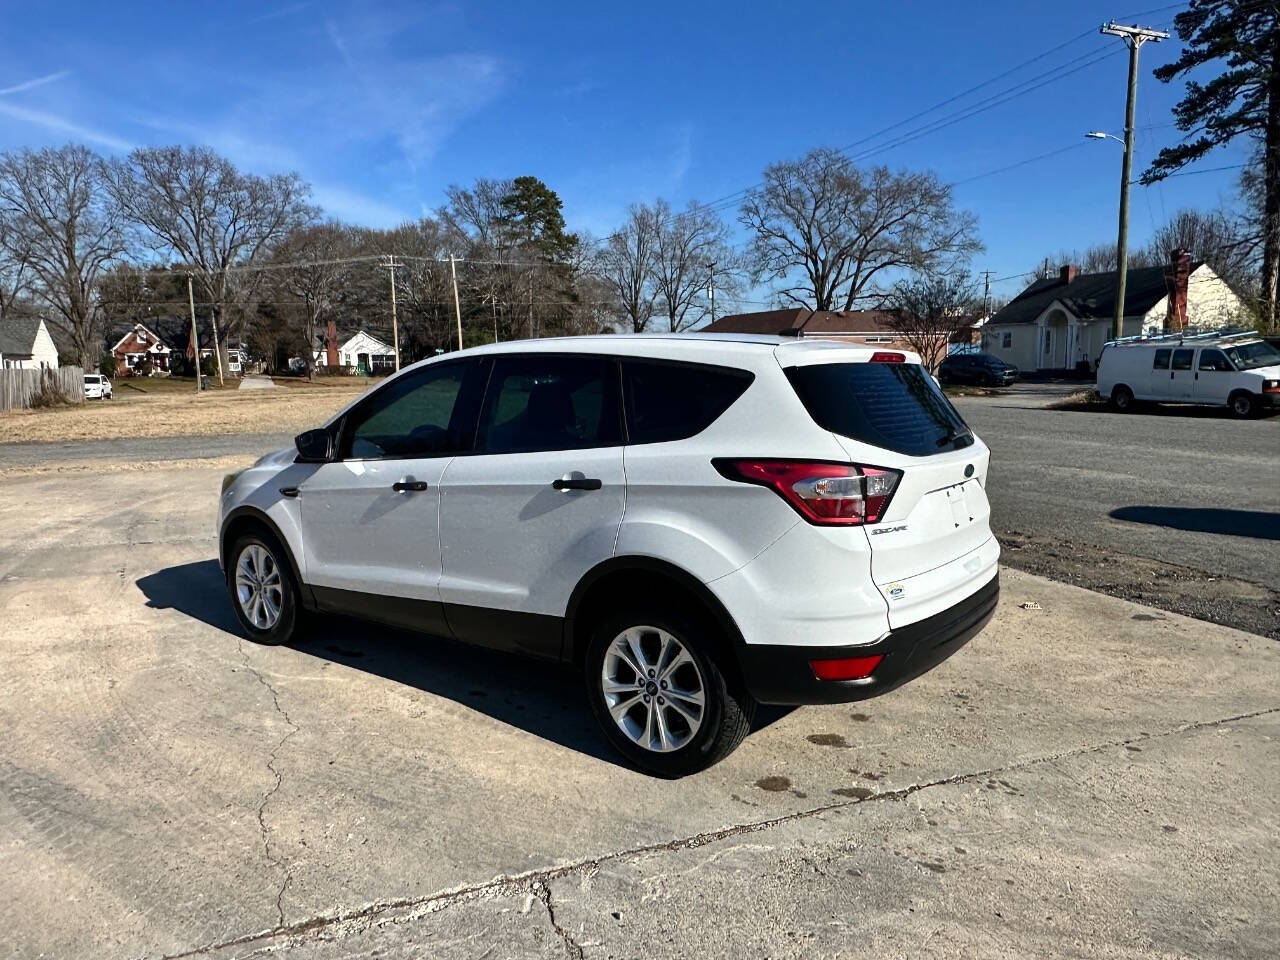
{"x":542,"y":698}
{"x":1257,"y":524}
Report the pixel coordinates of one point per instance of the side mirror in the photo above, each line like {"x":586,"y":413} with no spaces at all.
{"x":314,"y":446}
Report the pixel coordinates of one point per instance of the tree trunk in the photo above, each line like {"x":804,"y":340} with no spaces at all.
{"x":1271,"y":203}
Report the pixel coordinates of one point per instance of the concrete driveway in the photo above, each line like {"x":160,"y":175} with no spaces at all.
{"x":1087,"y":777}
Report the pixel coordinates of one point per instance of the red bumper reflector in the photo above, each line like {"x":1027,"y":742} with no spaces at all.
{"x":845,"y":668}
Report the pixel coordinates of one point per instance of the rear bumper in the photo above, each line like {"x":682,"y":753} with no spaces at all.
{"x":781,"y":674}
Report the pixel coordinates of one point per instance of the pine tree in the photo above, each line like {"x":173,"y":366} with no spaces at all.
{"x":1243,"y":38}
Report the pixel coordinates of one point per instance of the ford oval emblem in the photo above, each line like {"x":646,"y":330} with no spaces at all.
{"x":968,"y":470}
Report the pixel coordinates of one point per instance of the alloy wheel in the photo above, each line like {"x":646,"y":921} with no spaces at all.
{"x":653,"y":689}
{"x":259,"y":589}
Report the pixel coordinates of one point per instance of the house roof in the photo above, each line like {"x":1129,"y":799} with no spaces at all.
{"x":800,"y":321}
{"x":1091,"y":296}
{"x":18,"y":334}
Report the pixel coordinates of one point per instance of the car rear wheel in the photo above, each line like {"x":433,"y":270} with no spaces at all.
{"x":1243,"y":405}
{"x":262,"y":588}
{"x":1122,"y":399}
{"x":657,"y":687}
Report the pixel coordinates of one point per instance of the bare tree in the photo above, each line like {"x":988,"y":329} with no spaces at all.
{"x":830,"y":231}
{"x":625,"y":264}
{"x":1216,"y":238}
{"x":314,"y":277}
{"x":63,"y":217}
{"x":15,"y":271}
{"x":195,"y":204}
{"x":929,"y":310}
{"x":689,"y":248}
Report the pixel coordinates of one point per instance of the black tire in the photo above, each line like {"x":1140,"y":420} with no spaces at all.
{"x":727,"y":711}
{"x":1244,"y":405}
{"x":1122,"y":399}
{"x":284,"y":628}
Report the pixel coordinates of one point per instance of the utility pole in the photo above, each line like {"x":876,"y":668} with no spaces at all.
{"x":395,"y":325}
{"x":1134,"y":37}
{"x":986,"y":305}
{"x":195,"y":337}
{"x":217,"y":351}
{"x":531,"y":332}
{"x":457,"y":306}
{"x":711,"y":289}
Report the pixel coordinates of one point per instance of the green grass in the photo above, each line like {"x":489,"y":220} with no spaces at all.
{"x":164,"y":385}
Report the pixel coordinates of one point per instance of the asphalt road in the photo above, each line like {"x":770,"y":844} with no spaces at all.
{"x":1187,"y":486}
{"x":1087,"y":777}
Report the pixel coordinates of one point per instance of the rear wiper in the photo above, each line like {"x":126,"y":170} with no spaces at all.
{"x":954,"y":436}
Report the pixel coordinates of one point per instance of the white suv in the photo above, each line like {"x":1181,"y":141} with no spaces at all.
{"x":699,"y":523}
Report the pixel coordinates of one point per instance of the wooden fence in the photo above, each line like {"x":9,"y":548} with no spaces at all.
{"x":19,"y":388}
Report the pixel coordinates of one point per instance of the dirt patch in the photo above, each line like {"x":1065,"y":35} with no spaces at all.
{"x":98,"y":467}
{"x":1168,"y":586}
{"x":170,"y":413}
{"x":1084,"y":400}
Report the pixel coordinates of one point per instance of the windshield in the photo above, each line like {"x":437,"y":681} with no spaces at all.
{"x":1246,"y":356}
{"x":897,"y":406}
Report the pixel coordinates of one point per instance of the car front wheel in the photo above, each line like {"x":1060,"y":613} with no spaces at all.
{"x":656,"y":685}
{"x":1122,"y":399}
{"x":262,"y":589}
{"x":1243,"y":406}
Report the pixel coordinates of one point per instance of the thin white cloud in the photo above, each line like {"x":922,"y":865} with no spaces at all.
{"x":61,"y":124}
{"x":339,"y":44}
{"x":37,"y":82}
{"x":285,"y":11}
{"x":355,"y":207}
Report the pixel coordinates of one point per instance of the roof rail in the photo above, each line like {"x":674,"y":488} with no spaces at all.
{"x":1222,"y":333}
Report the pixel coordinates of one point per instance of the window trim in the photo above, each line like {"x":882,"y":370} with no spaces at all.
{"x":614,"y":374}
{"x":342,"y":426}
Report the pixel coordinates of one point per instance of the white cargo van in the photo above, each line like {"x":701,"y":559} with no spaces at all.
{"x":1240,"y":371}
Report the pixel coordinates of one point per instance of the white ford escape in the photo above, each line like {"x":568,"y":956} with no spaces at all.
{"x":700,"y":523}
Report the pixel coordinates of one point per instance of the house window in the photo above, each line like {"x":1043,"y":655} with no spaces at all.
{"x":1006,"y":340}
{"x":879,"y":340}
{"x":1048,"y":341}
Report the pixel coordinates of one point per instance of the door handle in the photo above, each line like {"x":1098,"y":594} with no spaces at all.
{"x":575,"y":483}
{"x":409,"y":486}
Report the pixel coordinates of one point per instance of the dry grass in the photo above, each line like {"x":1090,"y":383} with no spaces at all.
{"x":170,"y":414}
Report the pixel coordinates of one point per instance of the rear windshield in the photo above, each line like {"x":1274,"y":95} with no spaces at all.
{"x":897,"y":406}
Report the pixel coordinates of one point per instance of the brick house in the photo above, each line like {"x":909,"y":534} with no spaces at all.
{"x":139,"y":343}
{"x":864,"y":327}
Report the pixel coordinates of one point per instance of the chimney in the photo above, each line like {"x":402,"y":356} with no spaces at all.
{"x":331,"y":344}
{"x":1176,"y":277}
{"x":1067,"y":273}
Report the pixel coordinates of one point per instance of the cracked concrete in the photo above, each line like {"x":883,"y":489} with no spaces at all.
{"x":374,"y":792}
{"x":266,"y":797}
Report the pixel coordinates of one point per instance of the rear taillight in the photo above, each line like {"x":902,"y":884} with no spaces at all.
{"x":887,"y":356}
{"x":845,"y":668}
{"x":828,"y":494}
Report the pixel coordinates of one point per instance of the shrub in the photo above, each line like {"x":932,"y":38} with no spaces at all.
{"x":48,"y":393}
{"x":107,"y":366}
{"x":208,"y":365}
{"x":144,"y":367}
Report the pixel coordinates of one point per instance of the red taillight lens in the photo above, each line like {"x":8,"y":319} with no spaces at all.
{"x":885,"y":356}
{"x":828,"y":494}
{"x":846,"y":668}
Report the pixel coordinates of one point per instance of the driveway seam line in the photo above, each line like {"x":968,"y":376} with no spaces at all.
{"x":537,"y":879}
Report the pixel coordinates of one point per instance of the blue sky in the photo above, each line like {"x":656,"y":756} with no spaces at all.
{"x":382,"y":106}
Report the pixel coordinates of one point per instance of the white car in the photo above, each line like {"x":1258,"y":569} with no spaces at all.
{"x":1237,"y":371}
{"x":96,"y":387}
{"x":699,"y":523}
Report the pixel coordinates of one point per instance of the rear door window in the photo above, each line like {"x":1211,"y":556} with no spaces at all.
{"x":897,"y":406}
{"x":1182,"y":359}
{"x":1161,"y":361}
{"x":667,"y":400}
{"x":550,"y":402}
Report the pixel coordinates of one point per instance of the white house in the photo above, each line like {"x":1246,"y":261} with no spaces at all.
{"x":25,"y":344}
{"x":363,"y":352}
{"x":1061,"y":323}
